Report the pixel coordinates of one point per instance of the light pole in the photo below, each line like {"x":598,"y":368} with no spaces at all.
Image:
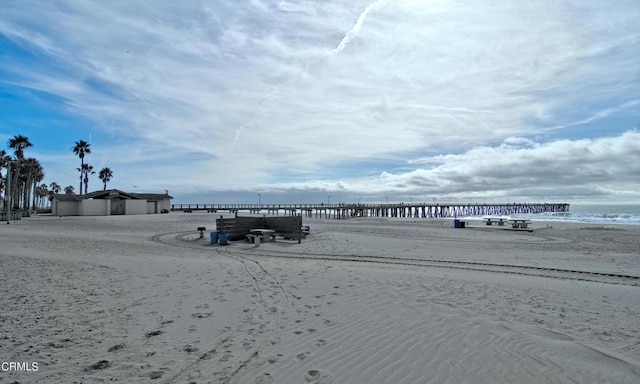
{"x":387,"y":197}
{"x":259,"y":201}
{"x":329,"y":200}
{"x":359,"y":200}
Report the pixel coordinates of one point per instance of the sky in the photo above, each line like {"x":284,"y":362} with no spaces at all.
{"x":313,"y":101}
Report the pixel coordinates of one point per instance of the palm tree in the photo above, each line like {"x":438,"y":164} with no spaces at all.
{"x":69,"y":190}
{"x":42,"y":191}
{"x":37,"y":175}
{"x":81,"y":148}
{"x":54,"y":189}
{"x":88,"y":170}
{"x":4,"y":163}
{"x":105,"y":175}
{"x":33,"y":174}
{"x":4,"y":159}
{"x":18,"y":143}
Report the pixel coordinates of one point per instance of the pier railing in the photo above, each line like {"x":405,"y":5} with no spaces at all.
{"x":426,"y":210}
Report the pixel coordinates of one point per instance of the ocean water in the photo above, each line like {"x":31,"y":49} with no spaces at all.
{"x":592,"y":214}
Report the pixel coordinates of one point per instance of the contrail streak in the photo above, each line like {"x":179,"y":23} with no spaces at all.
{"x":356,"y":26}
{"x":270,"y":100}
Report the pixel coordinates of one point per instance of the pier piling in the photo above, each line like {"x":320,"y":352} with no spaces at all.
{"x":415,"y":210}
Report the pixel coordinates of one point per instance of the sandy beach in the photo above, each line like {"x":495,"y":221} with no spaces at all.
{"x":142,"y":299}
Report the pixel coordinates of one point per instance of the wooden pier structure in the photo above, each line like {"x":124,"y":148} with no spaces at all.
{"x":415,"y":210}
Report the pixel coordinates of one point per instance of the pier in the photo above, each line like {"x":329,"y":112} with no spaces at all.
{"x":415,"y":210}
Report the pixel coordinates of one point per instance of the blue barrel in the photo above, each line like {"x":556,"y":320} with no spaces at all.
{"x":214,"y":237}
{"x":223,"y":238}
{"x":456,"y":223}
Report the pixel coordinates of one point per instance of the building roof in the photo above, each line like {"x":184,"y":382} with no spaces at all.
{"x":112,"y":194}
{"x":66,"y":197}
{"x":153,"y":196}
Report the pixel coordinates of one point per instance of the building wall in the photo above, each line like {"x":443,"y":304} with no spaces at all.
{"x":135,"y":207}
{"x":97,"y":207}
{"x":156,"y":206}
{"x":152,"y":207}
{"x":64,"y":208}
{"x":102,"y":207}
{"x":164,"y":204}
{"x":117,"y":206}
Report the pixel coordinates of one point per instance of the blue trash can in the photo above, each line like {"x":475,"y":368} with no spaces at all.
{"x":456,"y":223}
{"x":214,"y":237}
{"x":223,"y":237}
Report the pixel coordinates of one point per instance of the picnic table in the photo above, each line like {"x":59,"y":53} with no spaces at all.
{"x":258,"y":235}
{"x":519,"y":223}
{"x":500,"y":220}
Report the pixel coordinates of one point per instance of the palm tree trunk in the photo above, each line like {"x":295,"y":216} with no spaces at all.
{"x":14,"y":188}
{"x":27,"y":190}
{"x":81,"y":172}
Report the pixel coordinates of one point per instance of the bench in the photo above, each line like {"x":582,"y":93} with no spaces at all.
{"x":489,"y":220}
{"x":519,"y":223}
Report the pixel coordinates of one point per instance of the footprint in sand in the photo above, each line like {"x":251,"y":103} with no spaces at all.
{"x":200,"y":315}
{"x":317,"y":376}
{"x":265,"y":378}
{"x":189,"y":349}
{"x":155,"y":375}
{"x":153,"y":333}
{"x":116,"y":347}
{"x":302,"y":356}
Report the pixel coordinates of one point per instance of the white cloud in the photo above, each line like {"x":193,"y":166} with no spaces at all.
{"x":611,"y":163}
{"x":249,"y":91}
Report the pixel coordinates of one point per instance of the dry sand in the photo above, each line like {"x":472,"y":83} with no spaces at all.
{"x":143,"y":299}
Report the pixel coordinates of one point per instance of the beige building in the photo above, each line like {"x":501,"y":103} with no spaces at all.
{"x":110,"y":202}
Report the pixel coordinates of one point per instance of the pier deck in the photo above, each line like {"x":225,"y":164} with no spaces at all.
{"x":417,"y":210}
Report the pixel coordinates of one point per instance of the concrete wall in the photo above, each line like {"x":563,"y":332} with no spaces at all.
{"x":98,"y":207}
{"x":164,"y":204}
{"x":135,"y":207}
{"x":101,"y":207}
{"x":64,"y":208}
{"x":157,"y":206}
{"x":152,"y":207}
{"x":117,"y":206}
